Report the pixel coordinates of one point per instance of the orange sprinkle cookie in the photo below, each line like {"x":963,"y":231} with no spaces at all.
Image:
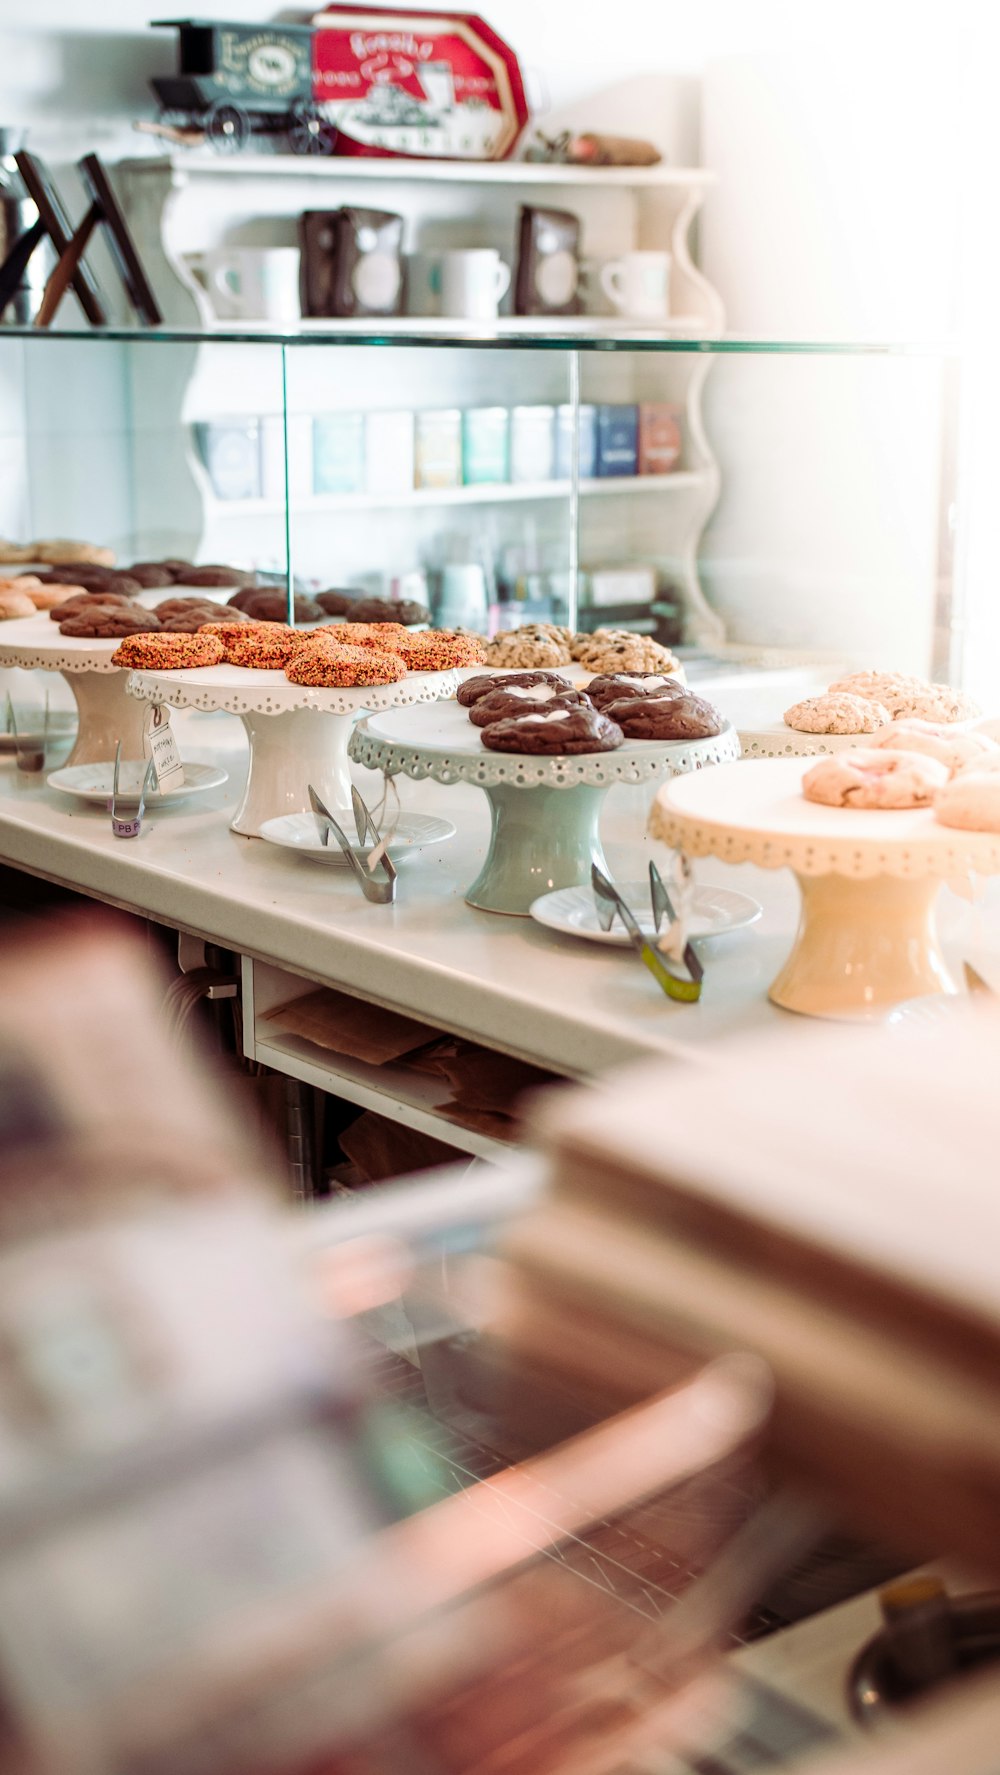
{"x":342,"y":667}
{"x":438,"y":650}
{"x":168,"y":653}
{"x":352,"y":634}
{"x":258,"y":646}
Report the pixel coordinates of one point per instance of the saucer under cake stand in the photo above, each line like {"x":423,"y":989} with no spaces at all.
{"x":298,"y":735}
{"x":869,"y":879}
{"x":107,"y":713}
{"x":544,"y":811}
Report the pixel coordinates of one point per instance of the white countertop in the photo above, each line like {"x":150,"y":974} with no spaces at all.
{"x":574,"y":1006}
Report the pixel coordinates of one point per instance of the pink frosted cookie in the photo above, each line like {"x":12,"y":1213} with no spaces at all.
{"x":869,"y":778}
{"x":837,"y":712}
{"x":959,"y":751}
{"x":971,"y":802}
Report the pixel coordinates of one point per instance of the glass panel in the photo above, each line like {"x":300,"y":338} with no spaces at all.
{"x":769,"y":511}
{"x":443,"y":479}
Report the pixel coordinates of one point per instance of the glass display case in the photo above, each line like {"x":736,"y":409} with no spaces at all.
{"x":758,"y":501}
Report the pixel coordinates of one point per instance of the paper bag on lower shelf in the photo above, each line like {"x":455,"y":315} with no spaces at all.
{"x":350,"y":1026}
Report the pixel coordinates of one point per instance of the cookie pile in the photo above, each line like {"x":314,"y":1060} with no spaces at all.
{"x":605,"y":650}
{"x":377,"y":653}
{"x":866,"y":702}
{"x":540,"y":712}
{"x":916,"y":764}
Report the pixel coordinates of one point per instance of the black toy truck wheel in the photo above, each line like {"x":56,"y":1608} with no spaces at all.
{"x":308,"y":133}
{"x":227,"y":128}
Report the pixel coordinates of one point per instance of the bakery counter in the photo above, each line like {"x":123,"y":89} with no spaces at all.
{"x":577,"y":1008}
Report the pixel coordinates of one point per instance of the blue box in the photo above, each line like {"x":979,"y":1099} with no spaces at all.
{"x":617,"y":440}
{"x":338,"y":453}
{"x":564,"y":442}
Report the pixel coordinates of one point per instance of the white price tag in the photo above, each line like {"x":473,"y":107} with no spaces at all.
{"x":159,"y":744}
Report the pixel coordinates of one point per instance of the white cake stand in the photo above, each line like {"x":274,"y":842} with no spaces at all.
{"x":297,"y":736}
{"x":779,"y":741}
{"x":867,"y":937}
{"x":107,"y":713}
{"x":544,"y":810}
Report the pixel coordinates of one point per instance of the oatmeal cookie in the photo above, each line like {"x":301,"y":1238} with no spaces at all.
{"x":837,"y":712}
{"x":620,"y":650}
{"x":535,"y":645}
{"x":971,"y":802}
{"x":905,"y":696}
{"x":15,"y":604}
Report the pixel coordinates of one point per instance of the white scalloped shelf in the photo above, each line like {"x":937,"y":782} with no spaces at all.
{"x":333,"y":168}
{"x":485,"y":493}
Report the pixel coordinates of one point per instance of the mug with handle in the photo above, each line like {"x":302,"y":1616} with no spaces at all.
{"x":473,"y":283}
{"x":250,"y":283}
{"x":638,"y":284}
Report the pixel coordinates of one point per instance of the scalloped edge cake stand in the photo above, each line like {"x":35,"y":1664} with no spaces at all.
{"x":297,"y":735}
{"x":867,"y":937}
{"x":544,"y":811}
{"x":107,"y":713}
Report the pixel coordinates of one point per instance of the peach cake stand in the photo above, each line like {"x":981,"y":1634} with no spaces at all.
{"x":867,"y":936}
{"x":107,"y":713}
{"x":298,"y":736}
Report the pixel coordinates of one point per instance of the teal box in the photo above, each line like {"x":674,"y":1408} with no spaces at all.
{"x":338,"y":453}
{"x":485,"y":445}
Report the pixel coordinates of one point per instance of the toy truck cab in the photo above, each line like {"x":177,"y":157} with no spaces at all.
{"x":240,"y":80}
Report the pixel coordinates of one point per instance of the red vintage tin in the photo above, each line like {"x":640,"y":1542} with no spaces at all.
{"x":426,"y":85}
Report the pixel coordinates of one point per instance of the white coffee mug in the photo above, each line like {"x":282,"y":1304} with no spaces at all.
{"x":639,"y":285}
{"x":250,"y":283}
{"x":473,"y":283}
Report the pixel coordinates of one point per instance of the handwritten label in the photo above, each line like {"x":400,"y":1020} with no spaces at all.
{"x":127,"y":828}
{"x":159,"y":744}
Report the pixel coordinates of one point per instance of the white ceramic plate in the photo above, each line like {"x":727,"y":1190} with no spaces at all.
{"x":92,"y":782}
{"x":713,"y":911}
{"x":299,"y":832}
{"x":62,"y":726}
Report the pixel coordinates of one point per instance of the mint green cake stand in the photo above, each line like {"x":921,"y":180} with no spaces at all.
{"x":544,"y":811}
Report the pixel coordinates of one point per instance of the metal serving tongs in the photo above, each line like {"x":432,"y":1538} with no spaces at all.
{"x":664,"y":906}
{"x":127,"y":810}
{"x":375,"y":871}
{"x":608,"y":898}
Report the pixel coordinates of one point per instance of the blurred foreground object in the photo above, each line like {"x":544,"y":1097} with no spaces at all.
{"x":203,"y":1570}
{"x":829,"y":1205}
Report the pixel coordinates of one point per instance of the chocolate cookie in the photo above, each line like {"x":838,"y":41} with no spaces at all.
{"x":521,"y":700}
{"x":151,"y":574}
{"x":79,"y":573}
{"x":683,"y":717}
{"x":481,"y":685}
{"x":86,"y":601}
{"x":245,"y":596}
{"x":215,"y":575}
{"x":273,"y":607}
{"x":121,"y":582}
{"x":615,"y":687}
{"x":106,"y":621}
{"x":177,"y":569}
{"x":336,"y":603}
{"x":188,"y":622}
{"x":555,"y":733}
{"x":403,"y":610}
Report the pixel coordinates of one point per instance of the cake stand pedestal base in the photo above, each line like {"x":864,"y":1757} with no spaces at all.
{"x":540,"y":839}
{"x":288,"y":752}
{"x":862,"y":947}
{"x":107,"y":714}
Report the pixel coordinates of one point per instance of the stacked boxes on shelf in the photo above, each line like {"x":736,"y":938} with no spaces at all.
{"x":383,"y":453}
